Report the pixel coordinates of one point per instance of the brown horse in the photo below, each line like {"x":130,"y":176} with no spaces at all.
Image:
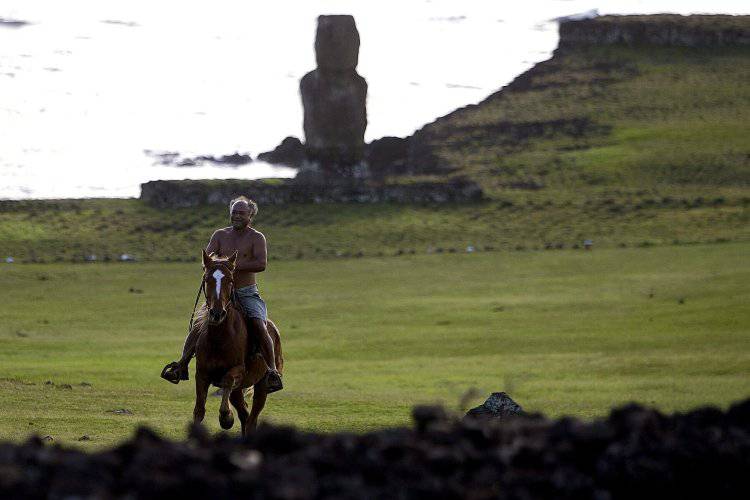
{"x":222,"y":353}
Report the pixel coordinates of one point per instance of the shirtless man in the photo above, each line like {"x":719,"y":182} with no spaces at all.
{"x":250,"y":246}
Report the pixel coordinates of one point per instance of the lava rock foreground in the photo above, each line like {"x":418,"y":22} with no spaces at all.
{"x":634,"y":452}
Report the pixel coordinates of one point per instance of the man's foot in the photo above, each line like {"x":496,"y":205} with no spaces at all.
{"x":174,"y":372}
{"x":273,"y":381}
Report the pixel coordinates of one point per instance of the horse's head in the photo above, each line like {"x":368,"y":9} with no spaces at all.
{"x":218,"y":284}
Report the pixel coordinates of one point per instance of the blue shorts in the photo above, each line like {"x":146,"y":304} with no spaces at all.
{"x":249,"y":300}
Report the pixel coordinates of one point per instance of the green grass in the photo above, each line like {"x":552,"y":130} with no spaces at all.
{"x":52,"y":231}
{"x":565,"y":332}
{"x":657,"y":117}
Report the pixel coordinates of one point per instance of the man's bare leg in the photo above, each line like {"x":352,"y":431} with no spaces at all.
{"x":273,"y":378}
{"x":178,"y":370}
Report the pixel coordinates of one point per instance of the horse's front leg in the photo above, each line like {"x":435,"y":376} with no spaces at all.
{"x":201,"y":391}
{"x":232,"y":379}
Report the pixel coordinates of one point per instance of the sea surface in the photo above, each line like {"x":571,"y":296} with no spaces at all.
{"x":87,"y":86}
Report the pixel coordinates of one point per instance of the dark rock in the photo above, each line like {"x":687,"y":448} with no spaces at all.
{"x":334,"y":99}
{"x":121,"y":411}
{"x":233,"y":159}
{"x":290,"y":152}
{"x":424,"y":416}
{"x":498,"y":405}
{"x":85,"y":437}
{"x":635,"y":452}
{"x":387,"y":156}
{"x":12,"y":23}
{"x":171,"y":158}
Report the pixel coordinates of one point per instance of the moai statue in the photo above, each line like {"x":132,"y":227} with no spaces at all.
{"x":334,"y":96}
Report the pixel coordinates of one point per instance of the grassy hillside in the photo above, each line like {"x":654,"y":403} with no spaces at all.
{"x":564,"y":332}
{"x":659,"y":119}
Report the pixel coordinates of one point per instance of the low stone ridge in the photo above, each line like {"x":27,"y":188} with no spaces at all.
{"x":635,"y":452}
{"x":191,"y":193}
{"x":660,"y":29}
{"x":498,"y":405}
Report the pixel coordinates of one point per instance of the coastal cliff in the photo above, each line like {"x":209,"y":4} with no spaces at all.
{"x":627,"y":102}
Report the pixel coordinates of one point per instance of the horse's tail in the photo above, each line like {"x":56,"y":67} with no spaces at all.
{"x":273,"y":331}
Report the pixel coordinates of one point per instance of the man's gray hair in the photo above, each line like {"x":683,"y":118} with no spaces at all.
{"x":250,"y":203}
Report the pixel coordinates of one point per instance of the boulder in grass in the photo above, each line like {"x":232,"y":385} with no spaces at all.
{"x":499,"y":405}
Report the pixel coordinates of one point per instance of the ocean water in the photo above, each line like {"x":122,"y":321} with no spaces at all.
{"x":86,"y":86}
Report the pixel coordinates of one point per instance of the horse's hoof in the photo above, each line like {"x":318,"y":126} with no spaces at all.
{"x":273,"y":381}
{"x":226,"y":420}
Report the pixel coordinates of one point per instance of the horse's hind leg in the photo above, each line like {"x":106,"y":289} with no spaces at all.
{"x":201,"y":391}
{"x":231,"y":380}
{"x":237,"y":398}
{"x":259,"y":401}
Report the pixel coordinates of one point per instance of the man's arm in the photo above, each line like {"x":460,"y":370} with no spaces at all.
{"x":213,"y":244}
{"x":257,"y":263}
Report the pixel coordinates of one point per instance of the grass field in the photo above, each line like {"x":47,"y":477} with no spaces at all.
{"x":644,"y":150}
{"x":565,"y":332}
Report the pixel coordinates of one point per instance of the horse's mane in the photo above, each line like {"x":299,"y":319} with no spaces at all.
{"x":200,"y":321}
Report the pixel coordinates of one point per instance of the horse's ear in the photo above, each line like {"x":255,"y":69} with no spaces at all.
{"x":206,"y":258}
{"x":232,"y":260}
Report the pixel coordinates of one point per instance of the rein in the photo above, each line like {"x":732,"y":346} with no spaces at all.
{"x":197,"y":297}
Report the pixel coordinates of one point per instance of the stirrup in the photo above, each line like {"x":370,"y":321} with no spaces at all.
{"x":173,"y":373}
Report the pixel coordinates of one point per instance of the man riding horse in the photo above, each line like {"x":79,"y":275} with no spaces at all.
{"x":250,"y":246}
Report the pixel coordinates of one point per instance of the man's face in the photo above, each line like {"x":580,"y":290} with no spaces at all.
{"x":240,"y":215}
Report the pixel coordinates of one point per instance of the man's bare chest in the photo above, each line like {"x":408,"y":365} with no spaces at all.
{"x":242,"y":244}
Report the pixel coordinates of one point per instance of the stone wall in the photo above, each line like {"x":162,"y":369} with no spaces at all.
{"x":191,"y":193}
{"x":662,"y":29}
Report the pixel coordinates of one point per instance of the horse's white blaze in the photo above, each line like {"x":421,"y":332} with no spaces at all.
{"x":217,"y":276}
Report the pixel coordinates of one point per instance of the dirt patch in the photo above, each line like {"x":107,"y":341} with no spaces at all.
{"x":635,"y":452}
